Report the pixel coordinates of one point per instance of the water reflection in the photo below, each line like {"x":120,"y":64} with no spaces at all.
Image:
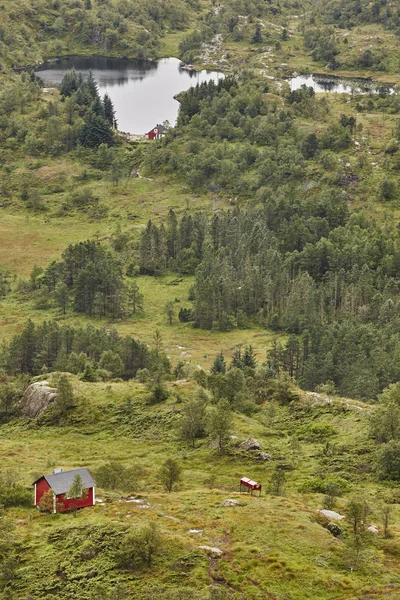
{"x":321,"y":83}
{"x":142,"y":91}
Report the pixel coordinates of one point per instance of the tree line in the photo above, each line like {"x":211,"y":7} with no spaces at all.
{"x":80,"y":350}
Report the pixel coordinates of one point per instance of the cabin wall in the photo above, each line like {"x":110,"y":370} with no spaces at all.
{"x":64,"y":503}
{"x":41,"y":487}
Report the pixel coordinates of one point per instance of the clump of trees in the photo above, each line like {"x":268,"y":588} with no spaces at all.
{"x":80,"y":350}
{"x":116,"y":476}
{"x":88,"y":279}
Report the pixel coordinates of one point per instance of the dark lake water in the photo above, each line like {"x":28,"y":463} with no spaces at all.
{"x":142,"y":91}
{"x":322,"y":83}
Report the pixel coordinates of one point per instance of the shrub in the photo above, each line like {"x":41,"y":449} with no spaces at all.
{"x":114,"y":475}
{"x":15,"y":496}
{"x":139,"y":546}
{"x":387,"y":189}
{"x":388,"y":461}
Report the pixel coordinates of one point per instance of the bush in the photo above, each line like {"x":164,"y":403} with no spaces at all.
{"x":158,"y":394}
{"x":139,"y":546}
{"x":388,"y":461}
{"x":387,"y":189}
{"x":15,"y":496}
{"x":113,"y":476}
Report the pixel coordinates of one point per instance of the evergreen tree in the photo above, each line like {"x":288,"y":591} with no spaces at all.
{"x":69,"y":84}
{"x":249,"y":358}
{"x":237,"y":359}
{"x":134,"y":298}
{"x":219,"y":365}
{"x":96,"y":131}
{"x":64,"y":400}
{"x":92,"y":85}
{"x":109,"y":111}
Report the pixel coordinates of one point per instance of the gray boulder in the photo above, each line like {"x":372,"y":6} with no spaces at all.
{"x":230,"y":502}
{"x":250,"y":444}
{"x":37,"y":398}
{"x":264,"y":456}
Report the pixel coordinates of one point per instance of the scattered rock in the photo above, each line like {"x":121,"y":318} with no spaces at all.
{"x":171,"y":517}
{"x":140,"y":502}
{"x":334,"y":529}
{"x":37,"y":398}
{"x":213,"y":444}
{"x":331,"y":514}
{"x":250,"y":444}
{"x":230,"y":502}
{"x":197,"y":531}
{"x":264,"y":456}
{"x":373,"y":529}
{"x":215,"y":552}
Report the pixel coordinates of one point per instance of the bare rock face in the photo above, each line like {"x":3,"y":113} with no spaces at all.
{"x":37,"y":398}
{"x":331,"y":514}
{"x":250,"y":444}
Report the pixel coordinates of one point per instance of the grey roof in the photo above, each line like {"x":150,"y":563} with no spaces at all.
{"x":61,"y":482}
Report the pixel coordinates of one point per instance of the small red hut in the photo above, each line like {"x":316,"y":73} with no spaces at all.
{"x":249,"y":484}
{"x":156,"y":133}
{"x":59,"y":482}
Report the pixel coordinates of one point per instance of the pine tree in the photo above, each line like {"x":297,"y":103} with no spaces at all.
{"x":249,"y":358}
{"x":64,"y":399}
{"x":109,"y":111}
{"x":92,"y":85}
{"x":69,"y":83}
{"x":28,"y":348}
{"x":219,"y":365}
{"x":134,"y":298}
{"x":237,"y":359}
{"x":96,"y":131}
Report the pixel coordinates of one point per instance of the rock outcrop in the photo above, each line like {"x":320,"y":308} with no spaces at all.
{"x":37,"y":398}
{"x":250,"y":444}
{"x":331,"y":514}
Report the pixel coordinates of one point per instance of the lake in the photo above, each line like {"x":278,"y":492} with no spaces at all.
{"x":339,"y":85}
{"x":142,"y":91}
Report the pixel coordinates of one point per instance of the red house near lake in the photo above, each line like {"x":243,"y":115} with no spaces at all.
{"x":156,"y":133}
{"x":59,"y":482}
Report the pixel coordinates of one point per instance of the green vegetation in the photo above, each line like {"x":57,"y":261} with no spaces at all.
{"x":231,"y":286}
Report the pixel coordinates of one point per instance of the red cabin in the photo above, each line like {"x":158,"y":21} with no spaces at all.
{"x":59,"y":482}
{"x":249,"y":484}
{"x":156,"y":133}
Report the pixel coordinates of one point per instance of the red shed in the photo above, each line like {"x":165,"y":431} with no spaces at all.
{"x":250,"y":485}
{"x":156,"y":133}
{"x":59,"y":482}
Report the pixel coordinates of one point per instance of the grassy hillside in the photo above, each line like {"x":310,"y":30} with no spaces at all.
{"x":274,"y":546}
{"x":261,"y":245}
